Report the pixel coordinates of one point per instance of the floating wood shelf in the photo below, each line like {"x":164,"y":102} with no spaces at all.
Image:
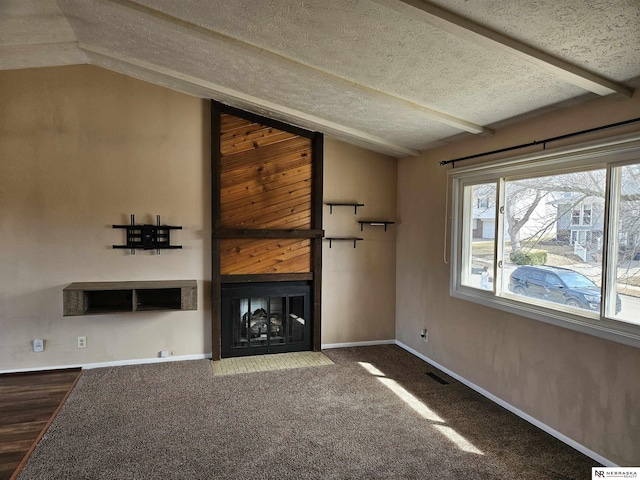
{"x":375,"y":223}
{"x":343,"y":239}
{"x":94,"y":298}
{"x":355,"y":206}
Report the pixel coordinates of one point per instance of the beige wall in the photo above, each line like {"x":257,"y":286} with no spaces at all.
{"x":577,"y":384}
{"x":82,"y":148}
{"x":358,"y":285}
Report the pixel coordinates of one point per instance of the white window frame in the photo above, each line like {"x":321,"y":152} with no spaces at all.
{"x":609,"y":153}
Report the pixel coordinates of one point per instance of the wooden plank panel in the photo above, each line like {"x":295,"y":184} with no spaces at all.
{"x":284,"y":220}
{"x":272,"y":266}
{"x":242,"y":203}
{"x":256,"y":249}
{"x":266,"y":168}
{"x":233,"y":246}
{"x":300,"y":263}
{"x":231,"y":121}
{"x":255,"y":215}
{"x":277,"y":219}
{"x":283,"y":156}
{"x":259,"y":155}
{"x":288,"y":151}
{"x":264,"y":184}
{"x":299,"y":220}
{"x":247,"y":143}
{"x":285,"y":266}
{"x":249,"y":233}
{"x":263,"y":196}
{"x":266,"y":256}
{"x":239,"y":139}
{"x":245,"y":131}
{"x":276,"y":184}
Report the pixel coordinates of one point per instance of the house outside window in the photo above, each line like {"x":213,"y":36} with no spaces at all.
{"x":574,"y":215}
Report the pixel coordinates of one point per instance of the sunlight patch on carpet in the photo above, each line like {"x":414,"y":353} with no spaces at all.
{"x":266,"y":363}
{"x":421,"y":408}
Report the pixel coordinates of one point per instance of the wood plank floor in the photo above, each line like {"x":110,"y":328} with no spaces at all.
{"x":28,"y":404}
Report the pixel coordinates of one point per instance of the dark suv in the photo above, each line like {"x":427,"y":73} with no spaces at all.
{"x":557,"y":284}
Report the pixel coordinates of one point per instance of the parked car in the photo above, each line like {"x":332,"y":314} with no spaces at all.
{"x":557,"y":284}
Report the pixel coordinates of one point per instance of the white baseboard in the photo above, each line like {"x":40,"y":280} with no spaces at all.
{"x":141,"y":361}
{"x":326,"y":346}
{"x":114,"y":363}
{"x":546,"y":428}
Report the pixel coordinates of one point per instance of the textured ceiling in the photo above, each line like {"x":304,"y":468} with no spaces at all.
{"x":395,"y":76}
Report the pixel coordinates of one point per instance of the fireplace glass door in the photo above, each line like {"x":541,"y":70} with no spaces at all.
{"x":266,"y":318}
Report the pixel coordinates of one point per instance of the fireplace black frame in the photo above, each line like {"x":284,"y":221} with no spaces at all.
{"x":315,"y":234}
{"x":237,"y":291}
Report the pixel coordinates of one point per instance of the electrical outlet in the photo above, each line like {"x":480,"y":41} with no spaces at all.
{"x":38,"y":345}
{"x":164,"y":353}
{"x":82,"y":342}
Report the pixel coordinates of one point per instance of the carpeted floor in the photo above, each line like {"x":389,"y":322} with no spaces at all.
{"x":374,"y":414}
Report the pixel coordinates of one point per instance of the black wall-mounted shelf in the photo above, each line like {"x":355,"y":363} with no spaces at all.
{"x":375,"y":223}
{"x":148,"y":237}
{"x":355,"y":206}
{"x":342,"y":239}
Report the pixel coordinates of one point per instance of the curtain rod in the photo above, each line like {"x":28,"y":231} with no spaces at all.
{"x":541,"y":142}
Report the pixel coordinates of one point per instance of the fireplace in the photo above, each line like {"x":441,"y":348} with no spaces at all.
{"x":265,"y":318}
{"x":266,"y":212}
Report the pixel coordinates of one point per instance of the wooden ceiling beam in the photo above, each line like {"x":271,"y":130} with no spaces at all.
{"x":161,"y":17}
{"x":309,"y":121}
{"x":476,"y":33}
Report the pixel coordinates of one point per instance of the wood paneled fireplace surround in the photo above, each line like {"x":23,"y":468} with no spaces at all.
{"x":267,"y":235}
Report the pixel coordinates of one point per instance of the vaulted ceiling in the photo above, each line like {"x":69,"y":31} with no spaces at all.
{"x":394,"y":76}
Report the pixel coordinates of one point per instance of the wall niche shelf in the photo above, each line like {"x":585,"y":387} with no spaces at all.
{"x":355,"y":240}
{"x":375,"y":223}
{"x":96,"y":298}
{"x":355,"y":206}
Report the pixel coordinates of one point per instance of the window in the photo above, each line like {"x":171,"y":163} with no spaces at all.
{"x":586,"y":214}
{"x":575,"y":216}
{"x":581,"y":215}
{"x":479,"y":263}
{"x":553,"y":236}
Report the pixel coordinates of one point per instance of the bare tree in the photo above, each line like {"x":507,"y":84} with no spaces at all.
{"x":525,"y":198}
